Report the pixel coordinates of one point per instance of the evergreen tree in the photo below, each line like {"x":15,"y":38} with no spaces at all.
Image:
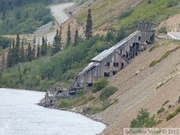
{"x":13,"y":60}
{"x":29,"y":53}
{"x":3,"y":61}
{"x":9,"y":58}
{"x":68,"y":41}
{"x":43,"y":47}
{"x":33,"y":53}
{"x":60,"y":37}
{"x":88,"y":32}
{"x":56,"y":43}
{"x":34,"y":40}
{"x":38,"y":50}
{"x":22,"y":52}
{"x":49,"y":50}
{"x":17,"y":50}
{"x":76,"y":37}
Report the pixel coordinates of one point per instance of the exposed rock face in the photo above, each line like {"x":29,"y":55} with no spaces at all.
{"x":172,"y":24}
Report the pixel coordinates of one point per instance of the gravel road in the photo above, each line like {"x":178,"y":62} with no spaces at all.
{"x":60,"y":16}
{"x":58,"y":12}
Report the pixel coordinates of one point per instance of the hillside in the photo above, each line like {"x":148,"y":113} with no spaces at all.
{"x":117,"y":13}
{"x":148,"y":89}
{"x":150,"y":81}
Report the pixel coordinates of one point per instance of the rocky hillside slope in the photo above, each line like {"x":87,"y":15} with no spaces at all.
{"x":143,"y":86}
{"x":113,"y":14}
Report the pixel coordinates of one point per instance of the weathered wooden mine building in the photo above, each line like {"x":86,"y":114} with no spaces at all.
{"x":114,"y":59}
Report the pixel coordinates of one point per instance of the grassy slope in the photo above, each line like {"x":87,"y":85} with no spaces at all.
{"x":106,"y":14}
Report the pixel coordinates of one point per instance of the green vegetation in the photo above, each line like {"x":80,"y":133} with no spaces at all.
{"x":154,"y":47}
{"x":101,"y":102}
{"x":80,"y":99}
{"x":107,"y":92}
{"x":80,"y":2}
{"x":151,"y":10}
{"x":64,"y":103}
{"x":125,"y":13}
{"x":170,"y":116}
{"x":153,"y":63}
{"x":4,"y":43}
{"x":92,"y":110}
{"x":61,"y":67}
{"x":24,"y":16}
{"x":165,"y":102}
{"x":161,"y":110}
{"x":163,"y":30}
{"x":143,"y":119}
{"x":25,"y":19}
{"x":98,"y":85}
{"x":88,"y":32}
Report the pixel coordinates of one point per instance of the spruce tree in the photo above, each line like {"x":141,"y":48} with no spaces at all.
{"x":43,"y":47}
{"x":17,"y":50}
{"x":29,"y":53}
{"x":22,"y":59}
{"x":49,"y":50}
{"x":38,"y":50}
{"x":56,"y":43}
{"x":13,"y":60}
{"x":76,"y":37}
{"x":33,"y":52}
{"x":68,"y":41}
{"x":88,"y":32}
{"x":3,"y":61}
{"x":9,"y":58}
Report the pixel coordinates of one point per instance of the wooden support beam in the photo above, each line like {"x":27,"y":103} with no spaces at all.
{"x":121,"y":56}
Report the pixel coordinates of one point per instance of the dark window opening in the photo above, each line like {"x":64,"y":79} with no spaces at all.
{"x":116,"y":64}
{"x":90,"y":84}
{"x":121,"y":51}
{"x":122,"y":65}
{"x":106,"y":74}
{"x":139,"y":38}
{"x":114,"y":72}
{"x":107,"y":63}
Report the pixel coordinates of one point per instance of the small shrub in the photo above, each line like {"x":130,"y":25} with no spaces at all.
{"x":170,"y":116}
{"x":91,"y":110}
{"x":143,"y":120}
{"x":150,"y":122}
{"x":107,"y":92}
{"x":126,"y":13}
{"x":163,"y":30}
{"x":169,"y":106}
{"x":172,"y":3}
{"x":165,"y":102}
{"x":153,"y":63}
{"x":63,"y":103}
{"x":161,"y":110}
{"x":160,"y":86}
{"x":86,"y":100}
{"x":98,"y":85}
{"x":179,"y":99}
{"x":153,"y":48}
{"x":163,"y":57}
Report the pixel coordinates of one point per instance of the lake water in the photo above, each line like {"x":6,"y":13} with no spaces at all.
{"x":19,"y":115}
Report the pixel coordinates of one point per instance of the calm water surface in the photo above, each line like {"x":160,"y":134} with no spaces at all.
{"x":20,"y":116}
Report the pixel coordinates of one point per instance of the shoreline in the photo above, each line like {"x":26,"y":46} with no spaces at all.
{"x":92,"y":117}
